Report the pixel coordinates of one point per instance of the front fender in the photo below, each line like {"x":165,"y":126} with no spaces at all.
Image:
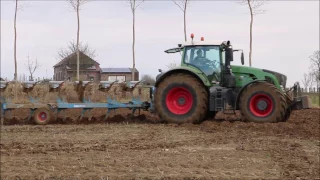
{"x":188,"y":70}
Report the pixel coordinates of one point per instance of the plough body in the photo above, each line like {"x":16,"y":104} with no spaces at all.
{"x":43,"y":113}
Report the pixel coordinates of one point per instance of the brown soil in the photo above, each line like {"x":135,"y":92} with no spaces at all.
{"x":143,"y":148}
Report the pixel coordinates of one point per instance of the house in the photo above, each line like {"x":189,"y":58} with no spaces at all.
{"x":121,"y":74}
{"x":66,"y":69}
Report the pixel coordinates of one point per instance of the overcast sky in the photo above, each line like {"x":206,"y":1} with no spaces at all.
{"x":283,"y":39}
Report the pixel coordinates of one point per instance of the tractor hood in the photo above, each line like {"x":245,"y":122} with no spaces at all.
{"x":282,"y":79}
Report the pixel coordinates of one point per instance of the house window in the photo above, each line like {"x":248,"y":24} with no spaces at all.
{"x":119,"y":78}
{"x":91,"y":78}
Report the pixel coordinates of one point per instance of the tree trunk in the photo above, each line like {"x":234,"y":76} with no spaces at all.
{"x":251,"y":22}
{"x":133,"y":42}
{"x":78,"y":31}
{"x":15,"y":43}
{"x":184,"y":20}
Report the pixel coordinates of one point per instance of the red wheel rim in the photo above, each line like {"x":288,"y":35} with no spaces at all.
{"x":42,"y":116}
{"x":179,"y":100}
{"x":261,"y":105}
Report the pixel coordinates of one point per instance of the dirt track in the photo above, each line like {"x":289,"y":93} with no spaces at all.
{"x":149,"y":150}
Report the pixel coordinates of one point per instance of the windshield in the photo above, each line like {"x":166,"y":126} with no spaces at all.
{"x":206,"y":58}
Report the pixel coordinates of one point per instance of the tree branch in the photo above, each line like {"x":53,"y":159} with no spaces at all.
{"x":255,"y":5}
{"x":134,"y":4}
{"x":32,"y":66}
{"x":180,"y":6}
{"x":72,"y":48}
{"x":75,"y":3}
{"x":315,"y":67}
{"x":139,"y":3}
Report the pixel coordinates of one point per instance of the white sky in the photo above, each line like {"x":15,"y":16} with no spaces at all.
{"x":283,"y":38}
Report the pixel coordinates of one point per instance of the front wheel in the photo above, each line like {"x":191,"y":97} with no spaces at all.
{"x":262,"y":102}
{"x":181,"y":98}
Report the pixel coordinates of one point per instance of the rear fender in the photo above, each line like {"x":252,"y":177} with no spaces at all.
{"x":200,"y":76}
{"x":236,"y":103}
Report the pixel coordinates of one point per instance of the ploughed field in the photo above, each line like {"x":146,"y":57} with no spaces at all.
{"x":145,"y":148}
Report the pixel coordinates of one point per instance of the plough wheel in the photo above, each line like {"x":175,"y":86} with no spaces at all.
{"x":262,"y":103}
{"x":42,"y":116}
{"x":181,"y":98}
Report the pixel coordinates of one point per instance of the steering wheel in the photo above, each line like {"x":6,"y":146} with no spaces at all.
{"x":205,"y":61}
{"x":214,"y":65}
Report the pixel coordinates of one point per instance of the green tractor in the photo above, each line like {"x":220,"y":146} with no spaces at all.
{"x":206,"y":83}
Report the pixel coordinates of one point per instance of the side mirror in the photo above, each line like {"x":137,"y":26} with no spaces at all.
{"x":242,"y":59}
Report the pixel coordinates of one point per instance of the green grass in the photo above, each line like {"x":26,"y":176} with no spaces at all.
{"x":314,"y":98}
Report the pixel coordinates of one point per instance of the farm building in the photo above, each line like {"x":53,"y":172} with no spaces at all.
{"x":121,"y":74}
{"x":66,"y":70}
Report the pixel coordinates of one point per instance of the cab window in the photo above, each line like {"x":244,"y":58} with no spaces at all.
{"x":205,"y":58}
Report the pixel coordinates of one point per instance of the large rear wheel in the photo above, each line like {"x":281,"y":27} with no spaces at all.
{"x":181,"y":98}
{"x":262,"y":103}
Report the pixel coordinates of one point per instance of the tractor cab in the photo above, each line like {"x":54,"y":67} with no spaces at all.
{"x":207,"y":58}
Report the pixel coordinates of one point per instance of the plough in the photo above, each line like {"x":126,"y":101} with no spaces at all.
{"x":44,"y":113}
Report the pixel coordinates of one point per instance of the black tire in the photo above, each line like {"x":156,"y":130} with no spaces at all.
{"x":42,"y":116}
{"x":210,"y":115}
{"x":287,"y":115}
{"x":289,"y":110}
{"x":267,"y":95}
{"x":189,"y":91}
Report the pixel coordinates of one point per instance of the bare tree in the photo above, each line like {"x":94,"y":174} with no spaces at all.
{"x":183,"y":4}
{"x":312,"y":79}
{"x":32,"y":66}
{"x":306,"y":80}
{"x":75,"y":4}
{"x":72,"y":48}
{"x":172,"y":65}
{"x":315,"y":67}
{"x":255,"y":9}
{"x":134,"y":4}
{"x":17,"y":8}
{"x":148,"y":79}
{"x":15,"y":41}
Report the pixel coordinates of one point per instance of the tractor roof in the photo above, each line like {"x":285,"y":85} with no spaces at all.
{"x":194,"y":43}
{"x":204,"y":43}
